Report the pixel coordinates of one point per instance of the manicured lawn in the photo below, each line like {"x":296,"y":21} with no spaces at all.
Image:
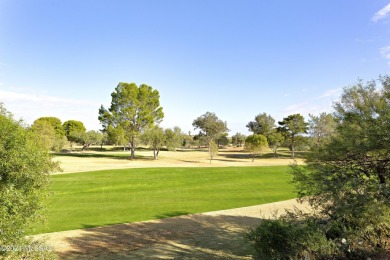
{"x":89,"y":199}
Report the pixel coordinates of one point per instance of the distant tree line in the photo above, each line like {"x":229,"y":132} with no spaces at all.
{"x":135,"y":113}
{"x":54,"y":135}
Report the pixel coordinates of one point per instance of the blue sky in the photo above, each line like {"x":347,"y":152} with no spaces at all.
{"x":234,"y":58}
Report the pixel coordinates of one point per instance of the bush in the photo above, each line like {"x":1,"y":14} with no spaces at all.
{"x":290,"y":238}
{"x":24,"y":178}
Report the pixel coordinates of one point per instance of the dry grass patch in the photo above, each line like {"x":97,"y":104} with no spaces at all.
{"x":96,"y":160}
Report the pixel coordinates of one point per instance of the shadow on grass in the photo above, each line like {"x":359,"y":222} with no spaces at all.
{"x":184,"y":237}
{"x":238,"y":155}
{"x":227,"y":160}
{"x":172,"y":214}
{"x":185,"y":150}
{"x":279,"y":155}
{"x":124,"y":156}
{"x":188,"y":161}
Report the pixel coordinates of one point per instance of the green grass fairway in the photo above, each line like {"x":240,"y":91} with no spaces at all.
{"x":107,"y":197}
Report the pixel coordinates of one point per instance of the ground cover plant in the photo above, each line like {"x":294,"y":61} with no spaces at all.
{"x":99,"y":198}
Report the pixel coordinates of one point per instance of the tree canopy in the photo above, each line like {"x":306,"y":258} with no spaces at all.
{"x":133,"y":109}
{"x":210,"y":126}
{"x":292,"y":126}
{"x":54,"y":122}
{"x":155,"y":138}
{"x":263,"y":124}
{"x":256,"y":144}
{"x":321,"y":127}
{"x":24,"y":179}
{"x":72,"y":129}
{"x":173,"y":138}
{"x":50,"y":133}
{"x":89,"y":138}
{"x":238,"y":139}
{"x":275,"y":140}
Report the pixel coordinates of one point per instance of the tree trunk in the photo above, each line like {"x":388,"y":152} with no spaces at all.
{"x":155,"y":154}
{"x":211,"y":157}
{"x":132,"y":152}
{"x":132,"y":148}
{"x":85,"y":147}
{"x":292,"y":146}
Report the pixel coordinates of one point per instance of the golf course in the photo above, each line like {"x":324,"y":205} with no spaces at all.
{"x":178,"y":186}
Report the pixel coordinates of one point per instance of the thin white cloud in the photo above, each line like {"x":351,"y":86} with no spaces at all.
{"x":31,"y":106}
{"x":381,"y":14}
{"x":315,"y":105}
{"x":43,"y":99}
{"x":385,"y":51}
{"x":305,"y":108}
{"x":332,"y":93}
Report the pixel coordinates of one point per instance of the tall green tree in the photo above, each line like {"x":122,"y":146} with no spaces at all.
{"x":256,"y":144}
{"x":263,"y":124}
{"x":275,"y":140}
{"x":54,"y":122}
{"x":238,"y":139}
{"x":173,"y":138}
{"x":187,"y":140}
{"x":48,"y":135}
{"x":223,"y":140}
{"x":73,"y":129}
{"x":211,"y":127}
{"x":133,"y":109}
{"x":321,"y":128}
{"x":90,"y":138}
{"x":24,"y":181}
{"x":155,"y":138}
{"x":292,"y":126}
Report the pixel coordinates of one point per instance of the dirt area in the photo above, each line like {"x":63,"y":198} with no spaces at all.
{"x":212,"y":235}
{"x":184,"y":158}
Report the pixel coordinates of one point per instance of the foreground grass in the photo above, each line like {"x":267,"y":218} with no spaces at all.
{"x":107,"y":197}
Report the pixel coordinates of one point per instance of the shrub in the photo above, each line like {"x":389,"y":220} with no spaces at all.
{"x":290,"y":237}
{"x":24,"y":178}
